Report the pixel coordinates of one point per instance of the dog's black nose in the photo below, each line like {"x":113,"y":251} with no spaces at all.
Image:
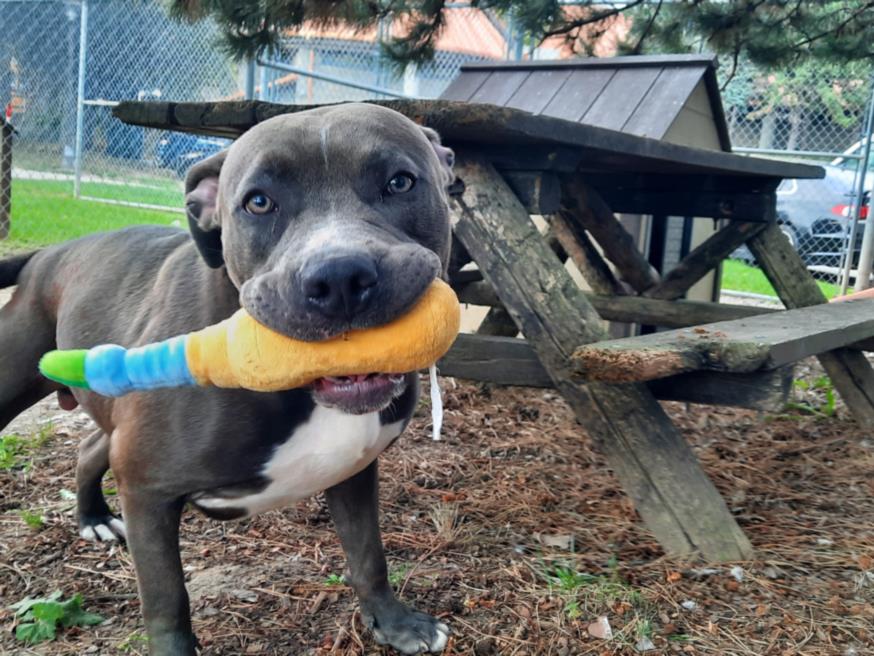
{"x":340,"y":287}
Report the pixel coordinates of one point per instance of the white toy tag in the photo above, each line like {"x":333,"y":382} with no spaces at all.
{"x":436,"y":404}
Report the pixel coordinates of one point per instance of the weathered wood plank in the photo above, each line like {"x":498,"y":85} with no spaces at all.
{"x":538,"y":191}
{"x":468,"y":123}
{"x":585,"y":256}
{"x":734,"y":205}
{"x":766,"y":391}
{"x":703,"y":259}
{"x":637,"y":309}
{"x":657,"y":468}
{"x":848,"y":370}
{"x":768,"y":341}
{"x":633,"y":309}
{"x":582,"y":204}
{"x":511,"y":361}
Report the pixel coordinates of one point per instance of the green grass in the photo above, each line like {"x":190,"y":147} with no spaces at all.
{"x":741,"y":277}
{"x":159,"y":192}
{"x":45,"y":212}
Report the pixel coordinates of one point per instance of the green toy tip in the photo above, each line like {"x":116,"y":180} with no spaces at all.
{"x":65,"y":367}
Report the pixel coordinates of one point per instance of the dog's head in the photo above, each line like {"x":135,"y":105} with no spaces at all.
{"x":327,"y":220}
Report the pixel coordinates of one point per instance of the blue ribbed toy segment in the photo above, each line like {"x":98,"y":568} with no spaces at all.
{"x":114,"y":371}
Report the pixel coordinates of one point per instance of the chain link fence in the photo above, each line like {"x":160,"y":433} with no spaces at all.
{"x":63,"y":66}
{"x":814,"y":113}
{"x":65,"y":63}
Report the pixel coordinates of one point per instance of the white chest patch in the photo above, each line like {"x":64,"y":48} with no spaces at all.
{"x":328,"y":449}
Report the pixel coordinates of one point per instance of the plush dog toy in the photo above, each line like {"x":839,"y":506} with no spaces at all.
{"x":240,"y":352}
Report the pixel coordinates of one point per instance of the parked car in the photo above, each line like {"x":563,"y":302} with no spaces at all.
{"x":815,"y":214}
{"x":179,"y":151}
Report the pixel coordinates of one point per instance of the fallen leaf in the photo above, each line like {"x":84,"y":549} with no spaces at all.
{"x":673,"y":577}
{"x":761,"y":610}
{"x":621,"y":607}
{"x":865,"y":562}
{"x":835,"y":604}
{"x":600,"y":628}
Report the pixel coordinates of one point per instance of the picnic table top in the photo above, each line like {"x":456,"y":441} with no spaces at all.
{"x":535,"y":142}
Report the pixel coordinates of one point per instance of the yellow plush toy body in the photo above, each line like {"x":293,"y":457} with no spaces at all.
{"x":242,"y":353}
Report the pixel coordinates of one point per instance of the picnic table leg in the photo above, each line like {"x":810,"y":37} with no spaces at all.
{"x":849,"y":370}
{"x":676,"y":500}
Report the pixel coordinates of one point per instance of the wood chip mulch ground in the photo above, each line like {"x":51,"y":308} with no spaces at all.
{"x":512,"y":528}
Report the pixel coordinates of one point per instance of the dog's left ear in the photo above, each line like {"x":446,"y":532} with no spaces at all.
{"x":444,"y":154}
{"x":201,"y":206}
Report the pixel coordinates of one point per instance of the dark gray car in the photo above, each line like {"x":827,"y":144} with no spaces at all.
{"x":815,"y":214}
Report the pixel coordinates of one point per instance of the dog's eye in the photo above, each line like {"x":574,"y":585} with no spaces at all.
{"x":401,"y":183}
{"x":259,"y":203}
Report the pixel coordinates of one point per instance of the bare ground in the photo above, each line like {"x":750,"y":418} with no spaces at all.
{"x":512,"y":528}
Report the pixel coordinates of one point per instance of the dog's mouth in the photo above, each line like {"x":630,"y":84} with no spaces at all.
{"x":359,"y":394}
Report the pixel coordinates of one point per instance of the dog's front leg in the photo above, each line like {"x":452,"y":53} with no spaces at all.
{"x":354,"y":506}
{"x":153,"y":538}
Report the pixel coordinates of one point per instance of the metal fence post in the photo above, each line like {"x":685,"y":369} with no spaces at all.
{"x":6,"y":134}
{"x":863,"y":273}
{"x":80,"y":97}
{"x":249,"y":79}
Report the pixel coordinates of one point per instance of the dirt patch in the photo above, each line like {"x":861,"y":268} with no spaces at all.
{"x":512,"y":529}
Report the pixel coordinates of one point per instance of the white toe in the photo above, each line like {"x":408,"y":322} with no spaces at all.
{"x":441,"y":639}
{"x":105,"y":533}
{"x":87,"y":533}
{"x":118,"y":528}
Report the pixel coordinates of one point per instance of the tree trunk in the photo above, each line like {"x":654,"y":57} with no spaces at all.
{"x":796,"y":123}
{"x":766,"y":136}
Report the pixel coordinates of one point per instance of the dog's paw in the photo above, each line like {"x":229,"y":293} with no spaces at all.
{"x":408,"y":631}
{"x":102,"y":529}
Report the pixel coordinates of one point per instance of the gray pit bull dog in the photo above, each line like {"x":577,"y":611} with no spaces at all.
{"x":316,"y":222}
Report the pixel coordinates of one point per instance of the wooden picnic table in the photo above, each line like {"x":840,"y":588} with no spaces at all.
{"x":514,"y":164}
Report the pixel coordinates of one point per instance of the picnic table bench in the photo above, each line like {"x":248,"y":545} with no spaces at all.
{"x":514,"y":164}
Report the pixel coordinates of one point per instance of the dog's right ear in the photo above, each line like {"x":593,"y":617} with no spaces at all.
{"x":201,"y":206}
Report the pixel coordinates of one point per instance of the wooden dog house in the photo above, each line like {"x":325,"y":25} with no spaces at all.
{"x":673,"y":98}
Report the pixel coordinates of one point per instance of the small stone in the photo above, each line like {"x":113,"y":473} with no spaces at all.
{"x":703,"y":572}
{"x":772,"y":572}
{"x":737,"y":572}
{"x":244,"y":595}
{"x":600,"y":628}
{"x":688,"y":604}
{"x":644,"y":644}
